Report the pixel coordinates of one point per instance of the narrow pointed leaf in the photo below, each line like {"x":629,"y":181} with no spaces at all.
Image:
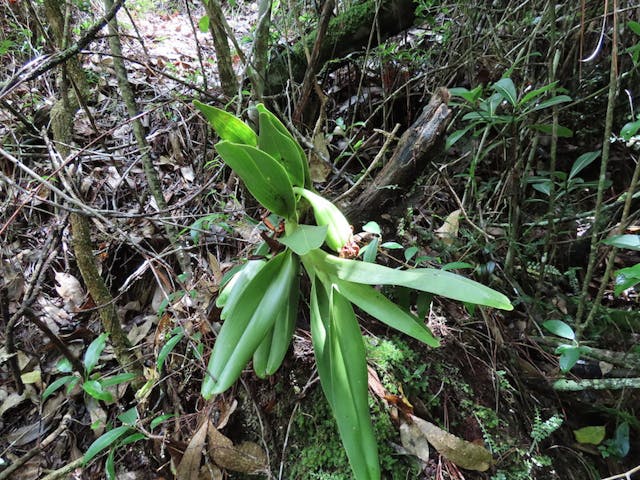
{"x":263,"y":176}
{"x":242,"y":332}
{"x":105,"y":441}
{"x":536,"y":93}
{"x":552,"y":101}
{"x":227,"y":126}
{"x":342,"y":369}
{"x":439,"y":282}
{"x":380,"y":307}
{"x":94,"y":350}
{"x":232,"y":291}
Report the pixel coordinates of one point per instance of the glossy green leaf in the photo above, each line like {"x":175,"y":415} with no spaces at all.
{"x":64,"y":365}
{"x":568,"y":358}
{"x":370,"y":251}
{"x":627,"y":278}
{"x":158,"y":420}
{"x":234,"y":287}
{"x":252,"y":319}
{"x":228,"y":126}
{"x":55,"y":385}
{"x":117,"y":379}
{"x":342,"y":368}
{"x":533,"y":94}
{"x":507,"y":89}
{"x":263,"y":176}
{"x":377,"y":305}
{"x":134,"y":437}
{"x":439,"y":282}
{"x":372,"y":227}
{"x":105,"y":441}
{"x":628,"y":241}
{"x":283,"y":148}
{"x":339,"y":230}
{"x":271,"y":352}
{"x":167,"y":348}
{"x":552,"y":102}
{"x":305,"y":238}
{"x":630,"y":129}
{"x":582,"y":162}
{"x":96,"y":390}
{"x":634,"y":26}
{"x":559,"y":328}
{"x":203,"y":24}
{"x":110,"y":466}
{"x":392,"y":245}
{"x":275,"y":121}
{"x":94,"y":350}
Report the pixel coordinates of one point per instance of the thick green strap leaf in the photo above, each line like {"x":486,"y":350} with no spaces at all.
{"x":228,"y":298}
{"x":273,"y":348}
{"x":227,"y":126}
{"x":380,"y":307}
{"x":439,"y":282}
{"x":275,"y":121}
{"x":340,"y":355}
{"x":255,"y":314}
{"x":264,"y":177}
{"x":282,"y":148}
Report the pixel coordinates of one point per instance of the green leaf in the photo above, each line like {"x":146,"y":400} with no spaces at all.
{"x":305,"y":238}
{"x":568,"y":358}
{"x":410,"y":252}
{"x":392,"y":245}
{"x":559,"y":328}
{"x":582,"y":162}
{"x":105,"y":441}
{"x":263,"y":176}
{"x":167,"y":348}
{"x":94,"y":388}
{"x":507,"y":89}
{"x":133,"y":438}
{"x":117,"y":379}
{"x":342,"y":368}
{"x":377,"y":305}
{"x":203,"y":24}
{"x":551,"y":102}
{"x":621,"y":440}
{"x":55,"y":385}
{"x":228,"y":126}
{"x":234,"y":287}
{"x":94,"y":350}
{"x":439,"y":282}
{"x":64,"y":365}
{"x":453,"y":138}
{"x":129,"y":417}
{"x":627,"y":278}
{"x":281,"y":147}
{"x":536,"y":93}
{"x":110,"y":465}
{"x":271,"y":352}
{"x":255,"y":314}
{"x":158,"y":420}
{"x":634,"y":26}
{"x":630,"y":129}
{"x":275,"y":121}
{"x":543,"y":186}
{"x":370,"y":250}
{"x":469,"y":95}
{"x":563,"y":132}
{"x":591,"y":435}
{"x":631,"y":242}
{"x":372,"y":227}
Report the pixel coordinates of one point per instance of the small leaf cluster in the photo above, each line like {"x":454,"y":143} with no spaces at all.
{"x":260,"y":303}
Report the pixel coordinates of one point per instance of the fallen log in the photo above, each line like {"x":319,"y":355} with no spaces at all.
{"x":421,"y":142}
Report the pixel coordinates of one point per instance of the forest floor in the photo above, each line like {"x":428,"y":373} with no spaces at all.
{"x":489,"y":384}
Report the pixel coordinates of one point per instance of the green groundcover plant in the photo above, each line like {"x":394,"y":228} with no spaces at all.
{"x":260,"y":303}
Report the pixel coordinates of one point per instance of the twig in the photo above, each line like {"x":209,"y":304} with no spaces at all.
{"x":626,"y":474}
{"x":390,"y":137}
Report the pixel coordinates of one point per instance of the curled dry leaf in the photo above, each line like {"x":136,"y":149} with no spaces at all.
{"x":70,"y":290}
{"x":464,"y":454}
{"x":449,"y":229}
{"x":247,"y":457}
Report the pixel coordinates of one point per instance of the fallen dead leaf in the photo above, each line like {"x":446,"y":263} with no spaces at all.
{"x":464,"y":454}
{"x":70,"y":290}
{"x":449,"y":229}
{"x":189,"y":467}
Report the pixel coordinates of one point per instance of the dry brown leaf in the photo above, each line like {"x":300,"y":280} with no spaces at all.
{"x":189,"y":468}
{"x":247,"y":457}
{"x":318,"y":168}
{"x":414,"y":441}
{"x":464,"y":454}
{"x":70,"y":290}
{"x":449,"y":229}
